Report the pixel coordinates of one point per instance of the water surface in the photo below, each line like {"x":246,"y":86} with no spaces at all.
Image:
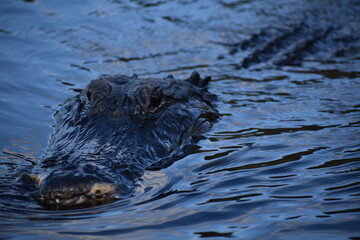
{"x":282,"y":162}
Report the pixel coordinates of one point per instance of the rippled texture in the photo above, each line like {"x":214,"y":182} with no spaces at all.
{"x":282,"y":162}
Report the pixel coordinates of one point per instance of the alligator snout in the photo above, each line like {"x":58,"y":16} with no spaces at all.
{"x":74,"y":187}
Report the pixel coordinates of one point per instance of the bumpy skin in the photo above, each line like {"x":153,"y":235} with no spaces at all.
{"x":106,"y":137}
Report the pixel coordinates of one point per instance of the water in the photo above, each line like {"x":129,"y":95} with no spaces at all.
{"x":282,"y":162}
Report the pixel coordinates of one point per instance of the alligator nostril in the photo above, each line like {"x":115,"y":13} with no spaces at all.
{"x":101,"y":189}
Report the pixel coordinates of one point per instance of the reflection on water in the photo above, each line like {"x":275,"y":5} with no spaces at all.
{"x":283,"y":161}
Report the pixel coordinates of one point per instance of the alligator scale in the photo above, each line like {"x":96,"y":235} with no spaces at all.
{"x":119,"y":126}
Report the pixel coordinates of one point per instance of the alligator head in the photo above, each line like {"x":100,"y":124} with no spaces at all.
{"x":116,"y":128}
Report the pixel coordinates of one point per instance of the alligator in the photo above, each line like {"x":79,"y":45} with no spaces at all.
{"x":115,"y":129}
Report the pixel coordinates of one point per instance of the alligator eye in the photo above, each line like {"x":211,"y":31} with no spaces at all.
{"x":98,"y":89}
{"x":156,"y":98}
{"x":88,"y":94}
{"x":150,"y":99}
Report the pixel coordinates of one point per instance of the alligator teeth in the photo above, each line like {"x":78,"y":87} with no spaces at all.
{"x":81,"y":200}
{"x":117,"y":196}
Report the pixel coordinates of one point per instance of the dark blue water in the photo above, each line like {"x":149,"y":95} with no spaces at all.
{"x":283,"y":162}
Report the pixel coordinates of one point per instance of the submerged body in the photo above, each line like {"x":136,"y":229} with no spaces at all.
{"x":107,"y":136}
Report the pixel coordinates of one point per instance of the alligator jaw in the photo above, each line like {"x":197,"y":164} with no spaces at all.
{"x":99,"y":193}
